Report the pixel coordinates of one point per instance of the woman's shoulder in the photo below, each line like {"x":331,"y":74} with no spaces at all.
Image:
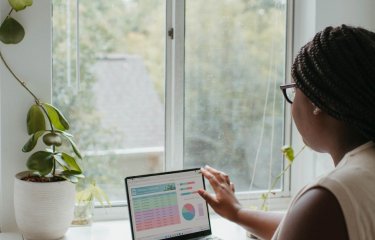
{"x":316,"y":214}
{"x":356,"y":168}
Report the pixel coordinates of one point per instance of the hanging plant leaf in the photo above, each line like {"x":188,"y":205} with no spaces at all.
{"x":57,"y":118}
{"x":71,"y":162}
{"x":66,"y":134}
{"x":72,"y":172}
{"x":288,"y":152}
{"x":41,"y":162}
{"x":52,"y":138}
{"x":35,"y":120}
{"x":32,"y":141}
{"x":11,"y":31}
{"x":70,"y":178}
{"x":74,"y":146}
{"x":71,"y":175}
{"x":61,"y":161}
{"x":20,"y":4}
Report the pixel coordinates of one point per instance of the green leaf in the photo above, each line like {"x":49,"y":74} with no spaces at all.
{"x":71,"y":175}
{"x":100,"y":195}
{"x":41,"y":162}
{"x":70,"y":178}
{"x":20,"y":4}
{"x":58,"y":158}
{"x":11,"y":31}
{"x":288,"y":152}
{"x":84,"y":196}
{"x":32,"y":141}
{"x":66,"y":134}
{"x":57,"y":118}
{"x":77,"y":174}
{"x":52,"y":138}
{"x":73,"y":144}
{"x":35,"y":120}
{"x":71,"y":162}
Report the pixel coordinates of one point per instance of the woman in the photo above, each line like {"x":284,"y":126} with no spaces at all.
{"x":334,"y":111}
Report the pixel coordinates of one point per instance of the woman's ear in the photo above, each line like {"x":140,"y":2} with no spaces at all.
{"x":317,"y":111}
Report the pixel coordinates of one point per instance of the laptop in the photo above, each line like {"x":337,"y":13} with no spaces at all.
{"x":167,"y":206}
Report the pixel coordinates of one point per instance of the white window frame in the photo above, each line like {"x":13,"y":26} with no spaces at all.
{"x":174,"y":89}
{"x":174,"y":104}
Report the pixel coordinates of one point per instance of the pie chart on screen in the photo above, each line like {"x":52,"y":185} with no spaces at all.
{"x":188,"y":211}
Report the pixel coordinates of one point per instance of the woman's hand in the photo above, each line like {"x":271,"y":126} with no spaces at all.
{"x":224,"y":202}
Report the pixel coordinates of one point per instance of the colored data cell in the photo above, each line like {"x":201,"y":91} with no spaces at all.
{"x":188,"y":212}
{"x":187,"y":183}
{"x":200,"y":209}
{"x":153,"y":189}
{"x":156,"y":211}
{"x":188,"y":193}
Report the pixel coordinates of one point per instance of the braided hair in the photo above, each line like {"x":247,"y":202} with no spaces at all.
{"x":336,"y":71}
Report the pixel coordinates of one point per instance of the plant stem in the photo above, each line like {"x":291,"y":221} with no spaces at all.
{"x":54,"y":162}
{"x":23,"y":84}
{"x":277,"y":178}
{"x":302,"y":148}
{"x":18,"y":79}
{"x":36,"y":99}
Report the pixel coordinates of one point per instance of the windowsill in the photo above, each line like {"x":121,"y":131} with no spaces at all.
{"x":120,"y":230}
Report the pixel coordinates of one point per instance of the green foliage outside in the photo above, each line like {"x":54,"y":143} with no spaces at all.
{"x":235,"y":60}
{"x":235,"y":55}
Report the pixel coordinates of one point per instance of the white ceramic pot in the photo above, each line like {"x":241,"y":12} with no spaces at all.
{"x":43,"y":211}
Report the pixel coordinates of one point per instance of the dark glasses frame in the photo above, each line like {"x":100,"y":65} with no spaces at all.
{"x":284,"y":88}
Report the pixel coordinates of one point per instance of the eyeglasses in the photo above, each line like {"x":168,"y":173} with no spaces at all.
{"x":289,"y":91}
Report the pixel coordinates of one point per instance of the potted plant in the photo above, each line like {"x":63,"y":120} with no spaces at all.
{"x":45,"y":194}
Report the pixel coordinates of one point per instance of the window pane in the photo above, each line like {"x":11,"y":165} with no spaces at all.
{"x":116,"y":104}
{"x":235,"y":61}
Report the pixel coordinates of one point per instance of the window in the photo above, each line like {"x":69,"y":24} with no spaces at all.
{"x":156,"y":85}
{"x":108,"y":77}
{"x":235,"y":59}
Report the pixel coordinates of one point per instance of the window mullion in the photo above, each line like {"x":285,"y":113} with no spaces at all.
{"x":174,"y":84}
{"x":286,"y":186}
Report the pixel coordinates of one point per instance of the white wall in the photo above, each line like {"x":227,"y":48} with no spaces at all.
{"x":31,"y":60}
{"x":351,"y":12}
{"x":310,"y":17}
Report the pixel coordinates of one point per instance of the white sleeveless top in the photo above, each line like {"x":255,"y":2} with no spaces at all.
{"x":352,"y":182}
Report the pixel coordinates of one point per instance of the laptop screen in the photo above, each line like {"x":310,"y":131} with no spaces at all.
{"x":167,"y":205}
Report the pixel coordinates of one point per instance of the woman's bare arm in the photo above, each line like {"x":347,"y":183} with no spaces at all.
{"x":260,"y":223}
{"x":315,"y":215}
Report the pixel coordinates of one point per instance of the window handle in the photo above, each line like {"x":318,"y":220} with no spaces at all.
{"x":171,"y":33}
